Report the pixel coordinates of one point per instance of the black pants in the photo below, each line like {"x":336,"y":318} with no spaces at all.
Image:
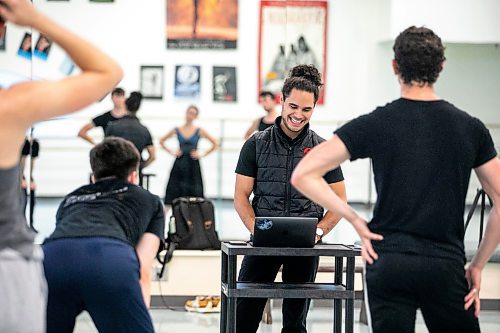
{"x":264,"y":269}
{"x":398,"y":284}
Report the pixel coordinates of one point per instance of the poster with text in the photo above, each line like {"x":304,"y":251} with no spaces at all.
{"x":292,"y":32}
{"x":202,"y":24}
{"x":187,"y":81}
{"x":224,"y":84}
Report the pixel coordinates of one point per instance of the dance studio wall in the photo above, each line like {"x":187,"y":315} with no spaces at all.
{"x":359,"y":77}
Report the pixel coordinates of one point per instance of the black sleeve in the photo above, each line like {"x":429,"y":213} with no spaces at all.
{"x":334,"y":176}
{"x":102,"y":120}
{"x":247,"y":163}
{"x":357,"y":135}
{"x":157,"y":224}
{"x":35,"y":148}
{"x":486,"y":148}
{"x":26,"y":148}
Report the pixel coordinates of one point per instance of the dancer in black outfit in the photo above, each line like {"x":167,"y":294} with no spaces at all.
{"x":423,"y":150}
{"x":31,"y":148}
{"x":185,"y":178}
{"x":268,"y":102}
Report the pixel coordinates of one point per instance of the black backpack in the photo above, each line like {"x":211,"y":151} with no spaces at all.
{"x":191,"y":227}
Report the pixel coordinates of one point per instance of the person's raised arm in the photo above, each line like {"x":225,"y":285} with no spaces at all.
{"x":164,"y":138}
{"x":308,"y":179}
{"x":489,"y":176}
{"x":331,"y":218}
{"x":83,"y":133}
{"x":242,"y":191}
{"x":213,"y":141}
{"x":146,"y":249}
{"x":41,"y":100}
{"x":252,"y":128}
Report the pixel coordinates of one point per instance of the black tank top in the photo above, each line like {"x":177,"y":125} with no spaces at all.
{"x":263,"y":125}
{"x":14,"y":232}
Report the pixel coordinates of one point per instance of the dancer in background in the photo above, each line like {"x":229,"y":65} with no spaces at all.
{"x":185,"y":177}
{"x":30,"y":151}
{"x":268,"y":102}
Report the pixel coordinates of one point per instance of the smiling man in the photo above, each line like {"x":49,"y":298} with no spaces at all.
{"x":265,"y":165}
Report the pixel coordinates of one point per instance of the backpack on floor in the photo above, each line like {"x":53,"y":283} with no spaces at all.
{"x":191,"y":227}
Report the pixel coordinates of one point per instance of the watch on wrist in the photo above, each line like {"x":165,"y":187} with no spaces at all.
{"x":319,"y":233}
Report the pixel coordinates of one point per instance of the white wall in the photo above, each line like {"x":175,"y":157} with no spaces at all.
{"x":358,"y":77}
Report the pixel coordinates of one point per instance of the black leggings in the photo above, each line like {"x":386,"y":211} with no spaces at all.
{"x":397,"y":284}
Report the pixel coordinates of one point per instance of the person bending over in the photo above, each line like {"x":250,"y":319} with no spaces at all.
{"x":423,"y":149}
{"x":22,"y":309}
{"x":99,"y":257}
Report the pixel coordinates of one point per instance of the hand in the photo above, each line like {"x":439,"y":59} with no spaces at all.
{"x":195,"y":155}
{"x":20,"y":12}
{"x":178,"y":153}
{"x":473,"y":276}
{"x":33,"y":185}
{"x":366,"y":236}
{"x":24,"y":184}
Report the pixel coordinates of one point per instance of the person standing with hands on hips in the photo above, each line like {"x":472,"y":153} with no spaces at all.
{"x":21,"y":105}
{"x":264,"y":167}
{"x":423,"y":149}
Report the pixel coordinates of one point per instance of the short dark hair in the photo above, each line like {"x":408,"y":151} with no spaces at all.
{"x":305,"y":78}
{"x":419,"y":54}
{"x":114,"y":157}
{"x":265,"y":93}
{"x":118,"y":91}
{"x":133,"y":102}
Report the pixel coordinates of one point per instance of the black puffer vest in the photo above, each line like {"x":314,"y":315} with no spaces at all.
{"x":276,"y":157}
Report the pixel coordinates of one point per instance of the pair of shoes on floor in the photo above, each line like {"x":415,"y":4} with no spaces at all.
{"x":203,"y":304}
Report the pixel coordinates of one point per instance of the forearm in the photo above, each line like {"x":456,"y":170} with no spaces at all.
{"x":148,"y":161}
{"x":145,"y":283}
{"x":329,"y":221}
{"x":87,"y":138}
{"x":246,"y":212}
{"x":490,"y":241}
{"x":211,"y":150}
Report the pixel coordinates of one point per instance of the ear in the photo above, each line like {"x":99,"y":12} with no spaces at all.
{"x":441,"y":67}
{"x":395,"y":67}
{"x":133,"y":177}
{"x":92,"y":179}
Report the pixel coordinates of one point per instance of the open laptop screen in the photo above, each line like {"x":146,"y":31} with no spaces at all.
{"x":285,"y":232}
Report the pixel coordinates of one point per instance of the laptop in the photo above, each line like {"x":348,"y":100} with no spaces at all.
{"x":285,"y":232}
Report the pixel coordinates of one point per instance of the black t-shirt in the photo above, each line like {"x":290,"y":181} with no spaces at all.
{"x":130,"y":128}
{"x":247,"y":164}
{"x":422,"y":154}
{"x":110,"y":208}
{"x":104,"y":119}
{"x":31,"y":149}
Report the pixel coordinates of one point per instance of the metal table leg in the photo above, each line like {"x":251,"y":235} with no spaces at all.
{"x":223,"y":297}
{"x":337,"y":303}
{"x":349,"y":303}
{"x":231,"y":302}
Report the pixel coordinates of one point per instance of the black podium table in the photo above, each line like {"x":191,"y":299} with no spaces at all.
{"x":336,"y":290}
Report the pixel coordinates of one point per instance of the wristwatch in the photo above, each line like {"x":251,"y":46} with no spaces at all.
{"x":319,"y":232}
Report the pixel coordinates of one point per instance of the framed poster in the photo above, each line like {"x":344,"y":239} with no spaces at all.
{"x":42,"y":47}
{"x":224,"y":84}
{"x":202,"y":24}
{"x":3,"y":36}
{"x":152,"y":82}
{"x":187,"y":81}
{"x":25,"y":47}
{"x":302,"y":29}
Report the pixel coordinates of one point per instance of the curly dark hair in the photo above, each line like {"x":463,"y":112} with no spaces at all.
{"x":114,"y":157}
{"x":305,"y":78}
{"x":133,"y":102}
{"x":419,"y":54}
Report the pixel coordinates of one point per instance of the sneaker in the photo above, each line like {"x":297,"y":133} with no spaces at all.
{"x":202,"y":304}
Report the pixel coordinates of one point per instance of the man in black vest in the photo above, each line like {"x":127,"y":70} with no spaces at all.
{"x":264,"y":167}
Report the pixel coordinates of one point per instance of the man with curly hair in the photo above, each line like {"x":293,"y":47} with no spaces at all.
{"x":423,"y":149}
{"x":264,"y":167}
